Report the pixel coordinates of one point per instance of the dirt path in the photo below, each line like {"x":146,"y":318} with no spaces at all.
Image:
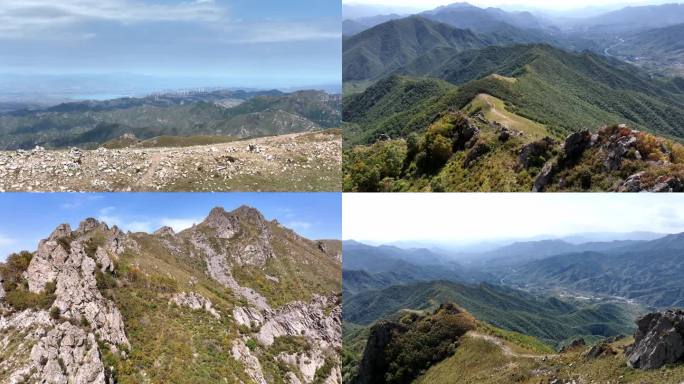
{"x":505,"y":120}
{"x":506,"y":350}
{"x":148,"y":176}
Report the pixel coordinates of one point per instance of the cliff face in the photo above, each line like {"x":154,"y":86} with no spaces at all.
{"x":235,"y":298}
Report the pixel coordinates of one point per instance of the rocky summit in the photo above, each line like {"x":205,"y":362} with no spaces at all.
{"x":295,"y":162}
{"x":234,"y":299}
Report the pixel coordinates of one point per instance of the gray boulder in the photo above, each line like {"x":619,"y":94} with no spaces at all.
{"x":658,"y":340}
{"x":575,"y":145}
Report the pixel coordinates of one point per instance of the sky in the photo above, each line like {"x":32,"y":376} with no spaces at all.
{"x":248,"y":43}
{"x":523,"y":4}
{"x":471,"y":218}
{"x":26,"y":218}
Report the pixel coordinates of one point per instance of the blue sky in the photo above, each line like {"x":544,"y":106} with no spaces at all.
{"x":25,"y":218}
{"x":257,"y":43}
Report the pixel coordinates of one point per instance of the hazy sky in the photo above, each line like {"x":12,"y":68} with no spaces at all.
{"x":467,"y":218}
{"x":245,"y":42}
{"x":541,"y":4}
{"x":25,"y":218}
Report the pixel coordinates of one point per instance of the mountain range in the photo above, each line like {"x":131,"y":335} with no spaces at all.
{"x":407,"y":80}
{"x":235,"y":298}
{"x":236,"y":114}
{"x":528,"y":299}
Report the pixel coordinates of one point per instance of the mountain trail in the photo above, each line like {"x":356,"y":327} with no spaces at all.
{"x":148,"y":177}
{"x":506,"y":350}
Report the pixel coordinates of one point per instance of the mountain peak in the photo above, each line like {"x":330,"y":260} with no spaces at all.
{"x":165,"y":231}
{"x":248,"y":212}
{"x":62,"y":230}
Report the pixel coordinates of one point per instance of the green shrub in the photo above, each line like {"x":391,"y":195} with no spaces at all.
{"x":13,"y":269}
{"x":428,"y":340}
{"x":251,"y":344}
{"x":54,"y":313}
{"x":21,"y":299}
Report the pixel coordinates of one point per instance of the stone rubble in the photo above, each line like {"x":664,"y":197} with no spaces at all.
{"x":305,"y":161}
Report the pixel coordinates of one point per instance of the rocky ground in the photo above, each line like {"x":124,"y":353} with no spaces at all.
{"x":295,"y":162}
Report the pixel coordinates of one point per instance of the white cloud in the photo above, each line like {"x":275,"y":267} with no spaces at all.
{"x":277,"y":32}
{"x":179,"y":224}
{"x":299,"y":225}
{"x":468,"y":218}
{"x":134,"y":225}
{"x":22,"y":18}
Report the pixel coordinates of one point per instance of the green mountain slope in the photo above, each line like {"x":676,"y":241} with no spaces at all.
{"x":382,"y":49}
{"x":564,"y":91}
{"x":394,"y":107}
{"x":567,"y":90}
{"x":549,"y":319}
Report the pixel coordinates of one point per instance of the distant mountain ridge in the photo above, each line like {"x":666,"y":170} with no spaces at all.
{"x":237,"y":114}
{"x":646,"y":272}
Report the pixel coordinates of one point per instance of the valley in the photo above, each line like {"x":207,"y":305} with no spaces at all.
{"x":527,"y":77}
{"x":542,"y":311}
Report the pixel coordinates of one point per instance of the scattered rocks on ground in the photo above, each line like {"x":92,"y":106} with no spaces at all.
{"x":304,"y":161}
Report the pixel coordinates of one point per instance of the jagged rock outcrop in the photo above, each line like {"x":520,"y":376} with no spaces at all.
{"x":242,"y":353}
{"x":77,"y":296}
{"x":373,"y":365}
{"x":575,"y":145}
{"x":89,"y":271}
{"x":477,"y":151}
{"x":194,"y":300}
{"x":248,"y":317}
{"x":535,"y":154}
{"x":658,"y":340}
{"x":219,"y":269}
{"x":639,"y":182}
{"x":103,"y":260}
{"x":606,"y":154}
{"x":304,"y":319}
{"x":390,"y":348}
{"x":67,"y":354}
{"x":466,"y":134}
{"x":577,"y":343}
{"x":226,"y":225}
{"x":601,"y":349}
{"x":306,"y":363}
{"x":165,"y":231}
